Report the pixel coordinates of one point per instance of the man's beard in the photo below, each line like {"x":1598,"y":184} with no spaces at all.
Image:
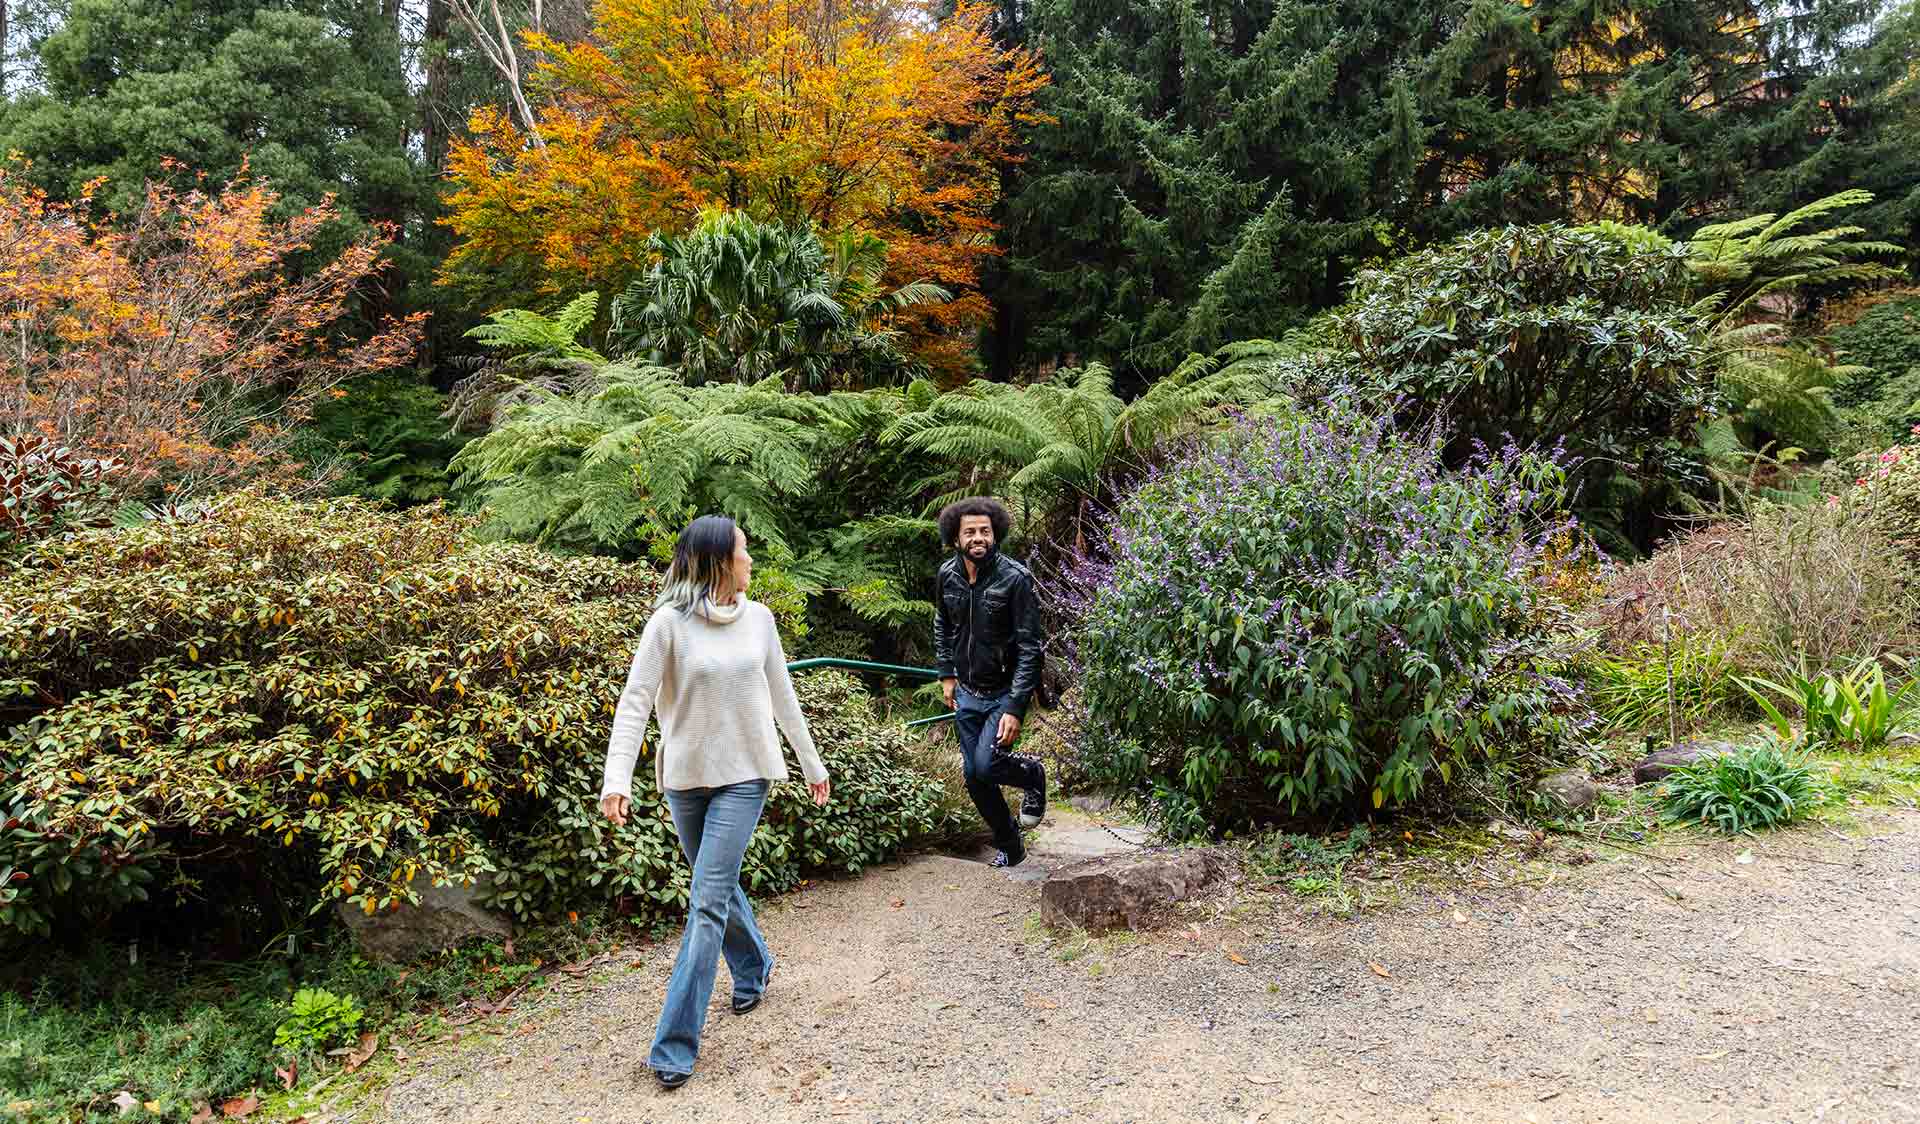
{"x":986,"y":552}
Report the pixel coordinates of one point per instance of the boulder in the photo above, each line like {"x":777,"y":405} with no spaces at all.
{"x":1661,"y":761}
{"x":446,"y":916}
{"x":1572,"y":789}
{"x":1092,"y":803}
{"x":1131,"y":891}
{"x":1903,"y":740}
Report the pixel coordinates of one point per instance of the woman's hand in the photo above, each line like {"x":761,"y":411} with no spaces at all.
{"x":615,"y":807}
{"x":821,"y":791}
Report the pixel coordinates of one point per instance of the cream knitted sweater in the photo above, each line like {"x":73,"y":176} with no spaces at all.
{"x":718,"y":679}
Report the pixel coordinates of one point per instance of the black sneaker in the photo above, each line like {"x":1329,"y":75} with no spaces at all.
{"x":1009,"y":858}
{"x":1033,"y":809}
{"x":671,"y":1080}
{"x":744,"y":1006}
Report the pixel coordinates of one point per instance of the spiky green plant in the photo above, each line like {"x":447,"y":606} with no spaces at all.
{"x":1757,"y":787}
{"x":739,"y":300}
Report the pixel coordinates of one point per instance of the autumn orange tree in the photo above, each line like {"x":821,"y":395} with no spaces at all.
{"x":187,"y":339}
{"x":877,"y":118}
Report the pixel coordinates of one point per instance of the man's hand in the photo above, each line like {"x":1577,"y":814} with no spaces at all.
{"x":1009,"y":730}
{"x":949,"y":686}
{"x":615,"y":808}
{"x":820,"y":792}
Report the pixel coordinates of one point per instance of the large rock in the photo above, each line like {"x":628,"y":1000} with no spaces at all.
{"x":1662,"y":761}
{"x":1572,"y":789}
{"x":1132,"y":891}
{"x":1092,"y":803}
{"x":1903,"y":740}
{"x":446,"y":916}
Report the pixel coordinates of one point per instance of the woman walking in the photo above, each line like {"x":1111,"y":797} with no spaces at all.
{"x":710,"y":663}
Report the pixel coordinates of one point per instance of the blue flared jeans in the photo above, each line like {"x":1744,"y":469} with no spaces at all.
{"x":715,"y":826}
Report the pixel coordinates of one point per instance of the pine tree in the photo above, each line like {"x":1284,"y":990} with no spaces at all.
{"x":309,"y":97}
{"x":1210,"y":169}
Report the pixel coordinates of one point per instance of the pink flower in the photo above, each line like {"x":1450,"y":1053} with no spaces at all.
{"x":1833,"y":501}
{"x":1889,"y":455}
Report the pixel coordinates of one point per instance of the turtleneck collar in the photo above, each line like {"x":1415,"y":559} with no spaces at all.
{"x":721,"y":614}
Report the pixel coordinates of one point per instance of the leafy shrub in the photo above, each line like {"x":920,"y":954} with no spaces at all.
{"x":1854,"y":709}
{"x":46,"y":489}
{"x":1883,"y":401}
{"x":386,"y":432}
{"x":1548,"y":335}
{"x":1315,"y":613}
{"x":316,"y":1020}
{"x":1752,"y":788}
{"x":286,"y":705}
{"x":1887,"y":493}
{"x":1693,"y":678}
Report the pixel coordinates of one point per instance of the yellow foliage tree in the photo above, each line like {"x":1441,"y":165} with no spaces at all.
{"x":876,"y":118}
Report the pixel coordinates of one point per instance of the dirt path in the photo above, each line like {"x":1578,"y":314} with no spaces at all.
{"x":1686,"y":987}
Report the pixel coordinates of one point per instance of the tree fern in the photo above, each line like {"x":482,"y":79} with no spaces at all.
{"x":643,"y":450}
{"x":1054,"y":447}
{"x":1754,"y":270}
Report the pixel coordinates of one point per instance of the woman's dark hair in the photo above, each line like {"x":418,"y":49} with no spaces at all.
{"x":702,"y":559}
{"x":993,"y":509}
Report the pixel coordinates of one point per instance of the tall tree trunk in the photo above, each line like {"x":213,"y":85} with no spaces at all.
{"x":434,"y":130}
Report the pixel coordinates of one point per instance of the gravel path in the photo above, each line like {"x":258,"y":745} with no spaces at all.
{"x":1684,"y":986}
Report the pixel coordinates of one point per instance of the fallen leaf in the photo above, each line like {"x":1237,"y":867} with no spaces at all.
{"x":290,"y":1076}
{"x":1042,"y":1003}
{"x":1713,"y":1057}
{"x":202,"y":1113}
{"x":239,"y":1107}
{"x":1378,"y":970}
{"x":509,"y":949}
{"x":1234,"y":956}
{"x":126,"y":1102}
{"x":369,"y":1042}
{"x":153,"y":1107}
{"x":399,"y":1051}
{"x":20,"y":1107}
{"x":1743,"y":857}
{"x":1020,"y":1090}
{"x":402,"y":977}
{"x":898,"y":902}
{"x":1459,"y":918}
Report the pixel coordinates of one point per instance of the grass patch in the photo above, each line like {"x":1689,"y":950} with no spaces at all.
{"x":77,"y":1030}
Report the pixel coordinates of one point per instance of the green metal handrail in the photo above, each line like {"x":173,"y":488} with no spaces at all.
{"x":876,"y":668}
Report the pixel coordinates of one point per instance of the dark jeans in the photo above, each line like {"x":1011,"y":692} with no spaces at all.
{"x":987,"y":766}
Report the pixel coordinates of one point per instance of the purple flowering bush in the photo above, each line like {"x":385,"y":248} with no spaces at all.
{"x":1315,"y":613}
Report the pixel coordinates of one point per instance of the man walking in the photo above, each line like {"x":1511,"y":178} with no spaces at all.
{"x":987,"y":646}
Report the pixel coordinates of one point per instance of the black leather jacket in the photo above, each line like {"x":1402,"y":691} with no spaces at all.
{"x":987,"y":634}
